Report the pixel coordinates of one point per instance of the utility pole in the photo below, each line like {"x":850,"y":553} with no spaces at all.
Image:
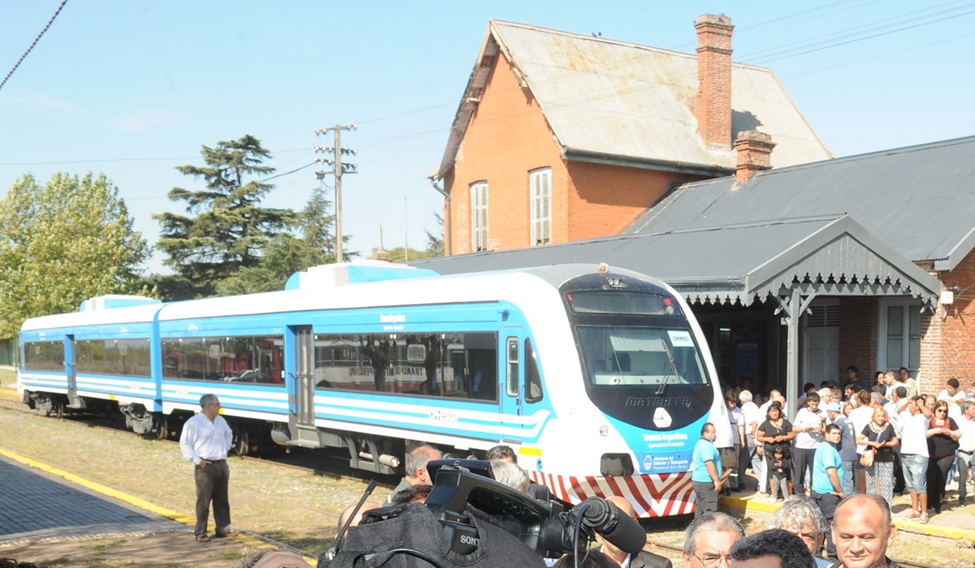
{"x":339,"y":168}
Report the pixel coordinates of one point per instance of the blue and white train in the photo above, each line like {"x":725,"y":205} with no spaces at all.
{"x":600,"y":379}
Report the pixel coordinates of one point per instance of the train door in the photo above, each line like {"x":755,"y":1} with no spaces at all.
{"x":70,"y":366}
{"x":511,"y":395}
{"x":301,"y":395}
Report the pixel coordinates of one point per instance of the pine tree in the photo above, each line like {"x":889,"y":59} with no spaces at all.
{"x":229,"y":230}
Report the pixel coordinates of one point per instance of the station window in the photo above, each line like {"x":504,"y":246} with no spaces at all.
{"x":540,"y":182}
{"x":479,"y":216}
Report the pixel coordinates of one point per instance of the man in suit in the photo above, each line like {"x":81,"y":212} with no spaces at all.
{"x":644,"y":559}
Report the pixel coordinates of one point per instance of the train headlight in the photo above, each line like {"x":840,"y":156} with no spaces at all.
{"x":604,"y":430}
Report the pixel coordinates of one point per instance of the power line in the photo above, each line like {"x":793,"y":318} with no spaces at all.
{"x":36,"y":39}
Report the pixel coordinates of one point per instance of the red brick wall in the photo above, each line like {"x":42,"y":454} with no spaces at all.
{"x":605,"y":200}
{"x":858,"y":336}
{"x":507,"y":137}
{"x":948,"y":346}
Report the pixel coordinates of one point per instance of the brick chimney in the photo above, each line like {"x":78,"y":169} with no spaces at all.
{"x":754,"y":153}
{"x":713,"y":109}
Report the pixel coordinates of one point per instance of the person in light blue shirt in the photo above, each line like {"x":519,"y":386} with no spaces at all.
{"x":706,"y":475}
{"x":827,"y":476}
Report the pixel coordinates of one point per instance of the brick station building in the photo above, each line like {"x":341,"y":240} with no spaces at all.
{"x":797,"y":265}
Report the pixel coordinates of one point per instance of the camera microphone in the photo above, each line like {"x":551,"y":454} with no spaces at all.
{"x":617,"y":528}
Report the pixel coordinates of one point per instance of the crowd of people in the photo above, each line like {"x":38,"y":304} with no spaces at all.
{"x":883,"y":438}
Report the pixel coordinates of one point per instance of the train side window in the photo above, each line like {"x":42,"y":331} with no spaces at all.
{"x":513,"y":365}
{"x":457,"y":365}
{"x":43,"y":356}
{"x":533,"y":379}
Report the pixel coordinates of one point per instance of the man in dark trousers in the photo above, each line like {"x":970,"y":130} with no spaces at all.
{"x":205,"y":441}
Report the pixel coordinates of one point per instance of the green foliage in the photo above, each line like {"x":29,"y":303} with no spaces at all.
{"x":435,"y":241}
{"x":62,"y":243}
{"x":229,"y":231}
{"x":398,"y":254}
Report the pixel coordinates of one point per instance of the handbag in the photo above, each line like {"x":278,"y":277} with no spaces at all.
{"x":866,"y":460}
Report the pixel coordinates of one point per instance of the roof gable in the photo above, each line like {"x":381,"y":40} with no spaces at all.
{"x":633,"y":102}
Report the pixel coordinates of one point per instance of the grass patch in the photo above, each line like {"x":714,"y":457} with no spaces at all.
{"x":8,"y":378}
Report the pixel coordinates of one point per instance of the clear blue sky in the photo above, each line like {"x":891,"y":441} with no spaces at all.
{"x":134,"y":88}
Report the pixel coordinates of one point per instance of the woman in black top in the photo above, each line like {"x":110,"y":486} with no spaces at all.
{"x":943,"y":435}
{"x":776,"y":432}
{"x":879,"y":436}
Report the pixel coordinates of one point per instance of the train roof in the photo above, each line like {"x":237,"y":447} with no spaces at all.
{"x":498,"y":285}
{"x":133,"y":314}
{"x":462,"y":288}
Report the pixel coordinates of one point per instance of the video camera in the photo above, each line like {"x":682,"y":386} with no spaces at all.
{"x":468,"y":505}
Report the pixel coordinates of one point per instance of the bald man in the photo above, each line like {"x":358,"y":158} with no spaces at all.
{"x":644,"y":559}
{"x":862,"y":532}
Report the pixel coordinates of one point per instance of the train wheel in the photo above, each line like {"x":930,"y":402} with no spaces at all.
{"x":242,"y":442}
{"x":57,"y":408}
{"x":161,"y":428}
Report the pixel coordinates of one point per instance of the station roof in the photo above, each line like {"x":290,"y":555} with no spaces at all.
{"x":735,"y":263}
{"x":919,"y":200}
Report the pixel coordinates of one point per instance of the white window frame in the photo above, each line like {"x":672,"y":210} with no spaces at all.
{"x":540,"y":200}
{"x":910,"y":307}
{"x":479,"y":216}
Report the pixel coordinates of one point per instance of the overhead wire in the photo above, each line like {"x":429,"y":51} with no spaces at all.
{"x":36,"y":39}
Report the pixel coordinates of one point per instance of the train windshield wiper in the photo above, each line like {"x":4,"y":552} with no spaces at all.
{"x":672,"y":368}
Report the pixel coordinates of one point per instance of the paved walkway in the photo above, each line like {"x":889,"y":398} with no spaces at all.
{"x":35,"y":505}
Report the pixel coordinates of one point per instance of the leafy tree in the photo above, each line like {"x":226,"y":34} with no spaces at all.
{"x":435,"y":242}
{"x":229,"y":230}
{"x":288,"y":253}
{"x":64,"y":242}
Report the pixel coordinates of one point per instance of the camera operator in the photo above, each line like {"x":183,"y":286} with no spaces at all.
{"x":644,"y":559}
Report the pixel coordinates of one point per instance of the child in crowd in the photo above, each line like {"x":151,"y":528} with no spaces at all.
{"x":781,"y":475}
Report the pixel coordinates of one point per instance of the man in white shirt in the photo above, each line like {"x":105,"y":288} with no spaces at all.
{"x":966,"y":447}
{"x":809,"y":424}
{"x":952,"y":394}
{"x":753,"y":418}
{"x":890,"y":379}
{"x":205,"y":441}
{"x":914,"y":457}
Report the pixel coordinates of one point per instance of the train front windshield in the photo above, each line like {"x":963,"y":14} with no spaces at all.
{"x":638,"y":353}
{"x":621,"y":356}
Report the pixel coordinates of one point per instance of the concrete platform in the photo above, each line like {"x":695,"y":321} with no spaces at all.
{"x":35,"y":504}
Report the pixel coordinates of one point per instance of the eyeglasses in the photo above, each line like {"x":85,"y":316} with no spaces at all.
{"x":941,"y":410}
{"x":713,"y":560}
